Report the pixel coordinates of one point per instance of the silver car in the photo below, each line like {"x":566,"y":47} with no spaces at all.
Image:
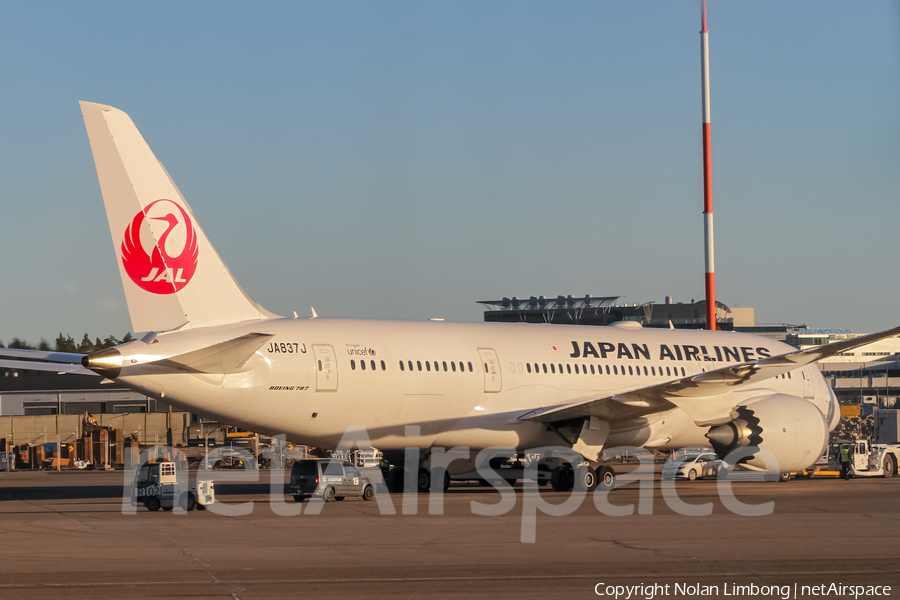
{"x":328,"y":479}
{"x":692,"y":466}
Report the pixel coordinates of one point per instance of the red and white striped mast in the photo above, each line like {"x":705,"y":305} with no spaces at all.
{"x":707,"y":183}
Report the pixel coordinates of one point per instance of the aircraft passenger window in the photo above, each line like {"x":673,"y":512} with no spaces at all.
{"x":653,"y":370}
{"x":645,"y":371}
{"x":615,"y":370}
{"x":552,"y":368}
{"x":528,"y":366}
{"x":485,"y":368}
{"x":362,"y":365}
{"x":789,"y":375}
{"x":401,"y":365}
{"x":569,"y":369}
{"x":352,"y":365}
{"x":436,"y":367}
{"x":410,"y":365}
{"x":560,"y":368}
{"x":419,"y":364}
{"x":629,"y":371}
{"x":470,"y":367}
{"x":383,"y":368}
{"x":444,"y":364}
{"x":682,"y":371}
{"x":545,"y":367}
{"x":427,"y":366}
{"x":607,"y":369}
{"x":668,"y":372}
{"x":453,"y":366}
{"x":320,"y":365}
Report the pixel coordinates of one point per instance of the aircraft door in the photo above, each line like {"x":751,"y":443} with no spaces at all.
{"x":807,"y":385}
{"x":490,"y":364}
{"x":326,"y":369}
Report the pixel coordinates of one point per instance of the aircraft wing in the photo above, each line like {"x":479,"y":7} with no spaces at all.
{"x":696,"y":394}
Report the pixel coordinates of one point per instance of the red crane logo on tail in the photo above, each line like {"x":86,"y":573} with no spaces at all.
{"x":161,"y":272}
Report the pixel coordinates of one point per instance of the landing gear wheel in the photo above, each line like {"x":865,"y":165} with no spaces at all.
{"x":368,"y":493}
{"x":692,"y":475}
{"x":299,"y":498}
{"x":423,"y":481}
{"x":561,"y":479}
{"x":329,"y":494}
{"x":188,"y":502}
{"x":606,"y":478}
{"x":784,"y":477}
{"x":586,"y":479}
{"x":152,"y":504}
{"x":446,"y":485}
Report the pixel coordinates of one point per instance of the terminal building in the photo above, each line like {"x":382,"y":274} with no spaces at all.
{"x":868,"y":376}
{"x":604,"y":310}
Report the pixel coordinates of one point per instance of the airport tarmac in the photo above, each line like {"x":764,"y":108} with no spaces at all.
{"x":65,"y":535}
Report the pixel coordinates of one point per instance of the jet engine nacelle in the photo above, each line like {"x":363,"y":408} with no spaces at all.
{"x":789,"y":427}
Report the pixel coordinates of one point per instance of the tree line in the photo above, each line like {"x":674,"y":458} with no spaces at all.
{"x":66,"y":343}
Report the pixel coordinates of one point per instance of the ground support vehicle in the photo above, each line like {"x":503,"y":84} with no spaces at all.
{"x":866,"y":460}
{"x":817,"y":471}
{"x":869,"y":460}
{"x":822,"y":468}
{"x":160,"y":485}
{"x":329,"y":480}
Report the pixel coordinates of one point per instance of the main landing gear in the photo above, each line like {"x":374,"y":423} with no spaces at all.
{"x":396,"y":480}
{"x":584,"y":477}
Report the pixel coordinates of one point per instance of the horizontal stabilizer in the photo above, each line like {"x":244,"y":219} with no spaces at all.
{"x":224,"y":357}
{"x":60,"y":357}
{"x":33,"y":365}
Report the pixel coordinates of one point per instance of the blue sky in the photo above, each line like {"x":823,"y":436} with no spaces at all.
{"x":402,"y":160}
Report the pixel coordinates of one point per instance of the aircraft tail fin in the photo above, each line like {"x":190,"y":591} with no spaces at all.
{"x":172,"y":275}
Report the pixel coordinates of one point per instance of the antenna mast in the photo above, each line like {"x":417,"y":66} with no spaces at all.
{"x":707,"y":182}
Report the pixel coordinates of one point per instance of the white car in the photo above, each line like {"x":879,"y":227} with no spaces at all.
{"x":692,"y":466}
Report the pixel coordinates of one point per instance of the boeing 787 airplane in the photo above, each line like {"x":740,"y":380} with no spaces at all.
{"x":212,"y":350}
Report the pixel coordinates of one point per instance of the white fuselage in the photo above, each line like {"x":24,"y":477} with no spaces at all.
{"x":462,"y":384}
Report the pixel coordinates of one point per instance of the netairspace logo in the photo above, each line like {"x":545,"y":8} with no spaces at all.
{"x":785,"y":592}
